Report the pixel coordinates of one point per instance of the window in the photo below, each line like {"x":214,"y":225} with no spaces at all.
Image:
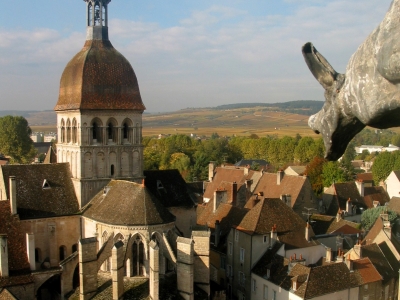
{"x":265,"y":292}
{"x":253,"y":284}
{"x":38,"y":255}
{"x":230,"y":248}
{"x":266,"y":239}
{"x":242,"y":278}
{"x":228,"y":270}
{"x":366,"y":287}
{"x":241,"y":255}
{"x":236,"y":235}
{"x":112,"y":170}
{"x":62,"y":252}
{"x":274,"y":295}
{"x":222,"y":262}
{"x":74,"y":248}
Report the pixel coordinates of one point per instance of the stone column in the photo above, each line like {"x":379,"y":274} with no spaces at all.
{"x":201,"y":241}
{"x":117,"y":271}
{"x":30,"y":250}
{"x":154,"y":270}
{"x":184,"y":268}
{"x":3,"y":255}
{"x":87,"y":268}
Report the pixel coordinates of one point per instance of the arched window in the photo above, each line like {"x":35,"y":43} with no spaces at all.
{"x":94,"y":132}
{"x":68,"y":131}
{"x":126,"y":130}
{"x":112,"y":170}
{"x":110,"y":131}
{"x":62,"y":138}
{"x":74,"y":248}
{"x":63,"y":252}
{"x":74,"y":131}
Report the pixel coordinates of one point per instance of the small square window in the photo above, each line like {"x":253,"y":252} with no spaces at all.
{"x":242,"y":255}
{"x":236,"y":235}
{"x":265,"y":292}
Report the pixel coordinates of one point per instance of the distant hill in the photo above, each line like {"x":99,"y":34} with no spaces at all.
{"x":301,"y":107}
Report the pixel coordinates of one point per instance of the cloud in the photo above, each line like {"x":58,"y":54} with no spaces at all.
{"x":213,"y":56}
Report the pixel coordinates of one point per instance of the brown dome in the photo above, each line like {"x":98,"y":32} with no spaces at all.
{"x":99,"y":77}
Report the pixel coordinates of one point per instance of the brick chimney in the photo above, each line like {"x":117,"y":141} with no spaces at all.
{"x":274,"y":235}
{"x":349,"y":208}
{"x":246,"y":170}
{"x":3,"y":255}
{"x":279,"y":177}
{"x":360,"y":187}
{"x":349,"y":263}
{"x":328,"y":255}
{"x":13,"y":194}
{"x":211,"y":170}
{"x":307,"y":233}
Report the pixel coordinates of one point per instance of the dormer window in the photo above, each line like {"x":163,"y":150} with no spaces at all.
{"x":46,"y":185}
{"x":105,"y":190}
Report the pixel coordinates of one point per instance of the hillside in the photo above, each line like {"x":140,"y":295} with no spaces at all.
{"x":234,"y":119}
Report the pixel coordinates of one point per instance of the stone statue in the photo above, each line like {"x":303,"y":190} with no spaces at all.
{"x":367,"y":94}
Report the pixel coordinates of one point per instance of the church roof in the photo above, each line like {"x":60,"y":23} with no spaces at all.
{"x":127,"y":203}
{"x":43,"y":190}
{"x":99,"y":77}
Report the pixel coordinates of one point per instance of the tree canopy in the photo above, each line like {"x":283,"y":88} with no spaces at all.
{"x":368,"y":217}
{"x":15,"y":139}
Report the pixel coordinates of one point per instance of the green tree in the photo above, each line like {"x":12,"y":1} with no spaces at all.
{"x":15,"y":139}
{"x":303,"y":153}
{"x":395,"y":140}
{"x":332,"y":172}
{"x":369,"y":216}
{"x":382,"y":166}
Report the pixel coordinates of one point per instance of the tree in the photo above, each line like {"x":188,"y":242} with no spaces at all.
{"x":332,"y":172}
{"x":314,"y":173}
{"x":382,"y":166}
{"x":15,"y":139}
{"x":369,"y":216}
{"x":303,"y":152}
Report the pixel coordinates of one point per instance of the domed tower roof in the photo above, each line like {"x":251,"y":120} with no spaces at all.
{"x":98,"y":77}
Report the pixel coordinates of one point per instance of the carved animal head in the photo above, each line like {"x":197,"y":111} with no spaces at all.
{"x":337,"y":129}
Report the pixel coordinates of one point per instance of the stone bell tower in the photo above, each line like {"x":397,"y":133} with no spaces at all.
{"x":99,"y":111}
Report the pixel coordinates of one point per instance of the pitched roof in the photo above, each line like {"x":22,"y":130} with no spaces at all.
{"x":375,"y":193}
{"x":17,"y":257}
{"x":342,"y":192}
{"x":169,"y":187}
{"x":394,"y":204}
{"x":289,"y":184}
{"x":366,"y":177}
{"x":51,"y":156}
{"x":299,"y":170}
{"x":365,"y":271}
{"x":376,"y":256}
{"x":226,"y":174}
{"x":250,"y":162}
{"x":397,"y":173}
{"x":323,"y":224}
{"x":269,"y":212}
{"x":323,"y":280}
{"x":127,"y":203}
{"x":35,"y":201}
{"x":374,"y":231}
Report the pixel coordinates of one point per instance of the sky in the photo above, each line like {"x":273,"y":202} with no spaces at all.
{"x":185,"y":53}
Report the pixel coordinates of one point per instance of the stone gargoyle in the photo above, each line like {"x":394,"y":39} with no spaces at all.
{"x":368,"y":94}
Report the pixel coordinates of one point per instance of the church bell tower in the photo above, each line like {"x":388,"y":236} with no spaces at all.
{"x":99,"y":111}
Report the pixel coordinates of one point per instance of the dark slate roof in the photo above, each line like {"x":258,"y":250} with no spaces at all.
{"x":270,"y":212}
{"x":245,"y":162}
{"x":375,"y":254}
{"x":127,"y":203}
{"x":169,"y":188}
{"x":375,"y":193}
{"x":17,"y":257}
{"x":34,"y":201}
{"x":323,"y":224}
{"x":51,"y":156}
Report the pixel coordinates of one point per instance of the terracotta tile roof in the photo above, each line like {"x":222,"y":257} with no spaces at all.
{"x":99,"y":77}
{"x":127,"y":203}
{"x":226,"y":214}
{"x":375,"y":193}
{"x":394,"y":204}
{"x":378,"y":259}
{"x":17,"y":256}
{"x":290,"y":184}
{"x":366,"y":271}
{"x":34,"y":201}
{"x":169,"y":187}
{"x":323,"y":280}
{"x":269,"y":212}
{"x":224,"y":175}
{"x":3,"y":162}
{"x":366,"y":177}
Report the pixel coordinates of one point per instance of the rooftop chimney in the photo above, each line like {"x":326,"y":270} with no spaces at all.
{"x":3,"y":255}
{"x":246,"y":170}
{"x":349,"y":263}
{"x":143,"y":183}
{"x":328,"y":256}
{"x":349,"y":208}
{"x":274,"y":235}
{"x":307,"y":235}
{"x":360,"y":187}
{"x":339,"y":215}
{"x":357,"y":249}
{"x":279,"y":177}
{"x":13,"y":195}
{"x":234,"y":193}
{"x":211,"y":169}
